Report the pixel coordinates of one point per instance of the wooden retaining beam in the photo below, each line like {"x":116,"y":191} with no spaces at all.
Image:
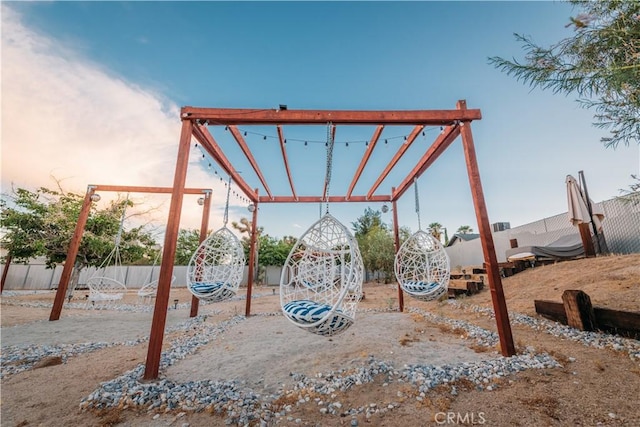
{"x":576,"y":311}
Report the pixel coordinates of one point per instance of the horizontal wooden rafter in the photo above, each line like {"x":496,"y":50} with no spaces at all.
{"x":450,"y":120}
{"x":403,"y":148}
{"x":365,"y":159}
{"x":138,"y":189}
{"x":240,"y":116}
{"x":285,"y":159}
{"x":254,"y":164}
{"x":320,"y":199}
{"x":444,"y":139}
{"x":211,"y":146}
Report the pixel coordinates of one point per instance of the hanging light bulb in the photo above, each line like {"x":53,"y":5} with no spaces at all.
{"x":201,"y":201}
{"x":245,"y":133}
{"x":264,"y":137}
{"x":251,"y":207}
{"x":346,"y":144}
{"x":385,"y":208}
{"x":95,"y":197}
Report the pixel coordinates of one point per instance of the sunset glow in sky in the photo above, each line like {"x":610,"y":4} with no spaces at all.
{"x":91,"y":93}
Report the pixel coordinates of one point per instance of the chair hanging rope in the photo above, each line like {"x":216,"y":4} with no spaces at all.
{"x":216,"y":268}
{"x":421,"y":264}
{"x":102,"y":287}
{"x":321,"y":282}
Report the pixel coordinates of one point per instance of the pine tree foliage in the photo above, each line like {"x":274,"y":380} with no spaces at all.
{"x":599,"y":61}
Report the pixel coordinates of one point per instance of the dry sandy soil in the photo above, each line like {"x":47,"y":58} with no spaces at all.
{"x":594,"y":386}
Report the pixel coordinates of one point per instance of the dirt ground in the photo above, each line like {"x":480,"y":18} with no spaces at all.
{"x":594,"y":386}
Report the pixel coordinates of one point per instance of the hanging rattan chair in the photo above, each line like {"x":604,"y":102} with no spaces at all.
{"x":216,"y":268}
{"x":422,"y":267}
{"x":321,"y":282}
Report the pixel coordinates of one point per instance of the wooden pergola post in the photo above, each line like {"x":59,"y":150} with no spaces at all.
{"x":507,"y":346}
{"x":252,"y":257}
{"x":5,"y":271}
{"x":72,"y":253}
{"x":156,"y":336}
{"x":204,"y":225}
{"x":396,"y":240}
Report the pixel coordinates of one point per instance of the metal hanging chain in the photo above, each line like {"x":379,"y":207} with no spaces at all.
{"x":415,"y":186}
{"x":327,"y":179}
{"x":226,"y":206}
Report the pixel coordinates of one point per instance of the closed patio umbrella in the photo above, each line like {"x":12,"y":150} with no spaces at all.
{"x":581,"y":209}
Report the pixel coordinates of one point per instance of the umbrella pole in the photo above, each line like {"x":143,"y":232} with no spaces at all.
{"x":583,"y":184}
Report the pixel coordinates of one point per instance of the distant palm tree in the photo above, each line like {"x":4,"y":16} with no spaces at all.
{"x":436,"y":230}
{"x":465,"y":229}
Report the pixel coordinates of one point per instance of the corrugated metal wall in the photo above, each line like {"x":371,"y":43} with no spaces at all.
{"x":621,"y":229}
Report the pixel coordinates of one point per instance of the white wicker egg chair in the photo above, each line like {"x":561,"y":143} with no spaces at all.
{"x":421,"y":264}
{"x":321,"y":282}
{"x":422,"y":267}
{"x":216,"y":268}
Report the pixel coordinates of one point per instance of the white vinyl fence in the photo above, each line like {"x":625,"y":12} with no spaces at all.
{"x":39,"y":277}
{"x":621,"y":229}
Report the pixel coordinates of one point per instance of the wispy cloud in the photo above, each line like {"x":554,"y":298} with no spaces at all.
{"x":65,"y":116}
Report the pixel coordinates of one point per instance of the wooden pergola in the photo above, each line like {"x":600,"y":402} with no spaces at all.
{"x":74,"y":244}
{"x":196,"y":123}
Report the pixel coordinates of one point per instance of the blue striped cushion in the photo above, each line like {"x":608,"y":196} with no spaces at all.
{"x":306,"y":311}
{"x":205,"y":287}
{"x":420,"y":287}
{"x":221,"y":295}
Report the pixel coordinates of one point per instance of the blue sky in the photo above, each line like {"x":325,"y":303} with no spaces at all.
{"x":91,"y":93}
